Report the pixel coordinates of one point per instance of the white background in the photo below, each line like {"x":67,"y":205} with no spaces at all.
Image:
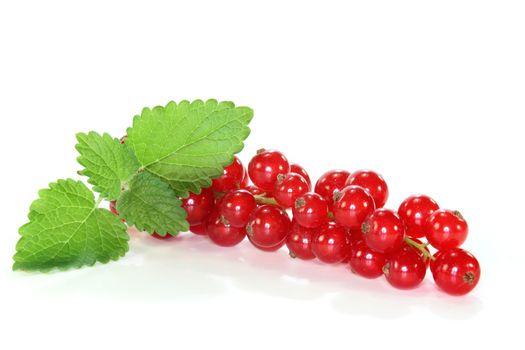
{"x":430,"y":94}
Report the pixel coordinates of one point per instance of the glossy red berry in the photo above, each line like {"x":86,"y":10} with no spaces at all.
{"x":198,"y":206}
{"x":288,"y":188}
{"x":415,"y":211}
{"x":456,"y":271}
{"x":405,"y":269}
{"x":296,"y":168}
{"x":373,"y":183}
{"x":299,"y":242}
{"x":331,"y":244}
{"x":269,"y":249}
{"x":446,"y":229}
{"x":268,"y":226}
{"x":201,"y":229}
{"x":364,"y":261}
{"x":231,"y":178}
{"x":329,"y":182}
{"x":257,"y":191}
{"x":265,"y":166}
{"x":237,"y":206}
{"x":222,"y":233}
{"x":351,"y":206}
{"x":167,"y":236}
{"x":383,"y":231}
{"x":310,"y":210}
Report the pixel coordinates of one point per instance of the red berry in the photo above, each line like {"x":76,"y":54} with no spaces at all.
{"x":265,"y":166}
{"x":310,"y":210}
{"x":256,"y":190}
{"x":297,"y":169}
{"x":222,"y":233}
{"x":167,"y":236}
{"x":331,"y":244}
{"x":415,"y":211}
{"x":351,"y":206}
{"x":373,"y":183}
{"x":456,"y":271}
{"x":201,"y":229}
{"x":198,"y":206}
{"x":405,"y":269}
{"x":446,"y":229}
{"x":269,"y":249}
{"x":299,"y":242}
{"x":231,"y":178}
{"x":237,"y":206}
{"x":366,"y":262}
{"x":383,"y":231}
{"x":288,"y":188}
{"x":268,"y":226}
{"x":329,"y":182}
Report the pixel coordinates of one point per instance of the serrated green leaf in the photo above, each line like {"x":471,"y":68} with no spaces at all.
{"x":188,"y":144}
{"x":66,"y":229}
{"x":151,"y":205}
{"x":107,"y":163}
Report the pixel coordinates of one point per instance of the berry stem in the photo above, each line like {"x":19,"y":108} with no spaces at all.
{"x":261,"y":199}
{"x":419,"y":246}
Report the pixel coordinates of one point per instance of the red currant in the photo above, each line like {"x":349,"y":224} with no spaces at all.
{"x":237,"y":206}
{"x":331,"y":244}
{"x":456,"y":271}
{"x":299,"y":242}
{"x":415,"y":211}
{"x":265,"y":166}
{"x":256,"y":191}
{"x":269,"y":249}
{"x":222,"y":233}
{"x":297,"y":169}
{"x":351,"y":206}
{"x":446,"y":229}
{"x":383,"y":231}
{"x":310,"y":210}
{"x":231,"y":178}
{"x":198,"y":206}
{"x":201,"y":229}
{"x":288,"y":188}
{"x":329,"y":182}
{"x":405,"y":269}
{"x":366,"y":262}
{"x":373,"y":183}
{"x":167,"y":236}
{"x":268,"y":226}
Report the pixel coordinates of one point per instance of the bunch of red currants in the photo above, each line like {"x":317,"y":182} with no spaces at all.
{"x":341,"y":221}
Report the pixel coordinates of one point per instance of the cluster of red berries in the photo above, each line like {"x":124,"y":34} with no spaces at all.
{"x":341,"y":220}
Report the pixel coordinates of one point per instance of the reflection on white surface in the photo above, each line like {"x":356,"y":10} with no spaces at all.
{"x":190,"y":267}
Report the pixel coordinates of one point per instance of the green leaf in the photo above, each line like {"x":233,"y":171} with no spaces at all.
{"x":107,"y":162}
{"x":188,"y":144}
{"x":66,"y":229}
{"x":151,"y":205}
